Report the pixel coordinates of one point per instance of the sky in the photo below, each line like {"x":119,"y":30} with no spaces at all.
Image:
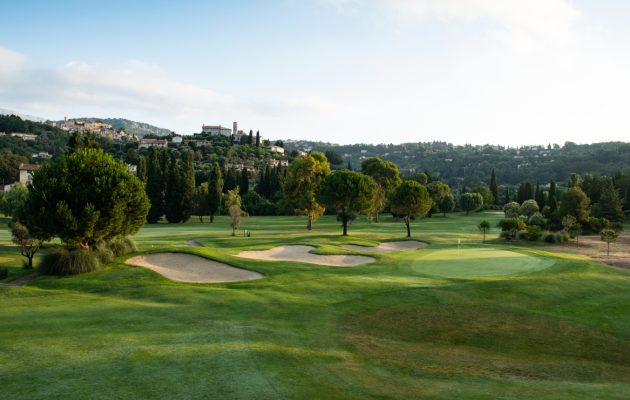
{"x":509,"y":72}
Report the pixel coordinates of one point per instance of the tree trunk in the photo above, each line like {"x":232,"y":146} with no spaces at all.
{"x":484,"y":236}
{"x":30,"y":262}
{"x":376,"y":218}
{"x":309,"y":224}
{"x":408,"y":223}
{"x":211,"y":218}
{"x":344,"y":222}
{"x":201,"y":218}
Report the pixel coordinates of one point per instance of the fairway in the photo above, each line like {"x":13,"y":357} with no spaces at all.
{"x":467,"y":263}
{"x":493,"y":320}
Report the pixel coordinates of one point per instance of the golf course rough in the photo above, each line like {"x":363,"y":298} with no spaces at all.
{"x":194,"y":269}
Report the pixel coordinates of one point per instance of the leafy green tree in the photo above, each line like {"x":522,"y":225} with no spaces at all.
{"x":9,"y":166}
{"x":387,"y":178}
{"x":575,"y":181}
{"x":539,"y":196}
{"x":486,"y":193}
{"x":529,"y":207}
{"x":494,"y":188}
{"x":511,"y":227}
{"x":13,"y":200}
{"x":348,"y":193}
{"x":484,"y":227}
{"x":28,"y":243}
{"x":609,"y":203}
{"x":575,"y":203}
{"x":512,"y":209}
{"x":215,"y":190}
{"x":438,"y":192}
{"x":609,"y":236}
{"x":84,"y":199}
{"x":421,"y":177}
{"x":447,"y":204}
{"x":470,"y":202}
{"x":333,"y":158}
{"x":304,"y":178}
{"x":410,"y":200}
{"x":233,"y":203}
{"x":200,"y":201}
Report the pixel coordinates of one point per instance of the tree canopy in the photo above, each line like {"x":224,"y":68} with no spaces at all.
{"x":410,"y":200}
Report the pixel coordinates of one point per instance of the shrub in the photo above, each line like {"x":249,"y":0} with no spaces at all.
{"x":551,"y":237}
{"x":537,"y":219}
{"x":512,"y":210}
{"x":511,"y":227}
{"x":104,"y":254}
{"x":533,"y":233}
{"x":61,"y":261}
{"x":4,"y":272}
{"x":122,"y":246}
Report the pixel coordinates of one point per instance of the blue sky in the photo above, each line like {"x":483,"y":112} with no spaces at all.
{"x":376,"y":71}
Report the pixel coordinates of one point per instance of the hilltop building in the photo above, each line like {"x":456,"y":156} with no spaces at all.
{"x":216,"y":130}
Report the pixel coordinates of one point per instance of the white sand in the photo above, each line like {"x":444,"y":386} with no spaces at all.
{"x":303,"y":254}
{"x":387,"y":247}
{"x":189,"y":268}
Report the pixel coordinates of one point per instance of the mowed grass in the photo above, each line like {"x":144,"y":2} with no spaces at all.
{"x":467,"y":321}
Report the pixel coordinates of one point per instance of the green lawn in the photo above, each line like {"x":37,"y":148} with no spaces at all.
{"x":467,"y":321}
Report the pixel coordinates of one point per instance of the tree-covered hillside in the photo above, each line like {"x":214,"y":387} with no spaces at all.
{"x":139,"y":129}
{"x":462,"y":166}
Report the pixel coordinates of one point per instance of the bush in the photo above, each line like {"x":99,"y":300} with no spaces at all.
{"x":556,"y":237}
{"x":105,"y":254}
{"x":4,"y":272}
{"x":122,"y":246}
{"x":61,"y":261}
{"x":533,"y":233}
{"x":537,"y":219}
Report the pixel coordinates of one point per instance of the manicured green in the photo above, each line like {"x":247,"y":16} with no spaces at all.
{"x":468,"y":321}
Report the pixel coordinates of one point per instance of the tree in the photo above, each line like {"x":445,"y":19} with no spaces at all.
{"x":155,"y":185}
{"x":575,"y":203}
{"x":387,"y":178}
{"x":244,"y":181}
{"x":84,"y":199}
{"x":529,"y":207}
{"x":575,"y":181}
{"x":28,"y":243}
{"x":334,"y":158}
{"x":215,"y":190}
{"x":13,"y":200}
{"x":187,"y":182}
{"x":348,"y":192}
{"x":512,"y":209}
{"x":200,"y":201}
{"x":9,"y":166}
{"x":421,"y":177}
{"x":484,"y":226}
{"x":233,"y":202}
{"x":447,"y":204}
{"x":257,"y":138}
{"x":486,"y":193}
{"x":494,"y":188}
{"x":511,"y":227}
{"x":410,"y":200}
{"x":300,"y":188}
{"x":525,"y":192}
{"x":250,"y":139}
{"x":438,"y":192}
{"x":552,"y":198}
{"x":174,"y":193}
{"x":609,"y":236}
{"x":539,"y":196}
{"x":141,"y":171}
{"x":470,"y":202}
{"x":609,"y":203}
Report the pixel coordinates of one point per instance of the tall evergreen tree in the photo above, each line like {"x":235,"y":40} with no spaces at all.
{"x":525,"y":192}
{"x":174,"y":191}
{"x":507,"y":199}
{"x":540,"y":196}
{"x":494,"y":188}
{"x":244,"y":181}
{"x":257,"y":138}
{"x":215,"y":190}
{"x":141,"y":169}
{"x":609,"y":204}
{"x":155,"y":187}
{"x":231,"y":180}
{"x":349,"y":166}
{"x":552,"y":198}
{"x":250,"y":140}
{"x":187,"y":182}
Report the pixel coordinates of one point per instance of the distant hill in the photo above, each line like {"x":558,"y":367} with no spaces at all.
{"x":26,"y":117}
{"x":139,"y":129}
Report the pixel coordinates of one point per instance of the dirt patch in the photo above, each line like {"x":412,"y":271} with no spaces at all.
{"x":21,"y":281}
{"x":594,"y":247}
{"x":189,"y":268}
{"x":303,"y":254}
{"x":387,"y":247}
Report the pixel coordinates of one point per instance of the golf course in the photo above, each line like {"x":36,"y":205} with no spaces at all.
{"x":263,"y":317}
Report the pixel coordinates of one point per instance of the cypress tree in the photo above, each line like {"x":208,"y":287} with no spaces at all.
{"x":251,"y":138}
{"x":244,"y":182}
{"x":155,"y":186}
{"x":187,"y":182}
{"x":349,"y":165}
{"x":507,"y":195}
{"x":141,"y":171}
{"x":552,"y":200}
{"x":539,"y":196}
{"x":257,"y":138}
{"x":494,"y":188}
{"x":174,"y":191}
{"x":215,"y":190}
{"x":231,"y":180}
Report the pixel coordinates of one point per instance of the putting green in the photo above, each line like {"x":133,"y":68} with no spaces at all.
{"x":465,"y":263}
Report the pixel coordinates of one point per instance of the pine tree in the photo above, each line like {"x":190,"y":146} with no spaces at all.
{"x":244,"y":182}
{"x":215,"y":190}
{"x":174,"y":191}
{"x":187,"y":185}
{"x":609,"y":204}
{"x":494,"y":188}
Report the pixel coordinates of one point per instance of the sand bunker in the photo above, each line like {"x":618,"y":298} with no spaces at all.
{"x":189,"y":268}
{"x":303,"y":254}
{"x":387,"y":247}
